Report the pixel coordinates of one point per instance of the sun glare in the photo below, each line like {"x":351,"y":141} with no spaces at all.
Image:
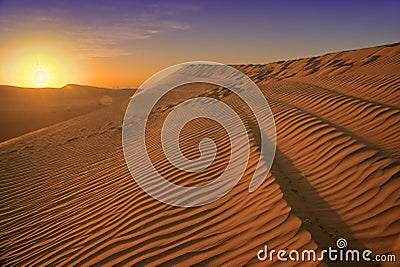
{"x":40,"y":77}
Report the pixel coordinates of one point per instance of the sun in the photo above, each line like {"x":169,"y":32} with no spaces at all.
{"x":40,"y":77}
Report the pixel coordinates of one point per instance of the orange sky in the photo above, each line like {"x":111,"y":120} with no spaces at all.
{"x":23,"y":54}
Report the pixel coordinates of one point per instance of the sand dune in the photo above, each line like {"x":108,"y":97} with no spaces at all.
{"x":67,"y":197}
{"x":23,"y":110}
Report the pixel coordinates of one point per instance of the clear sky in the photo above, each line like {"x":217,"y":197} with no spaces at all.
{"x":121,"y":43}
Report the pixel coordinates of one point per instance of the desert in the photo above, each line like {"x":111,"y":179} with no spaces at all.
{"x":68,"y":198}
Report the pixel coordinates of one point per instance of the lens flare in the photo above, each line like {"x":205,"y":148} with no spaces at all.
{"x":40,"y":77}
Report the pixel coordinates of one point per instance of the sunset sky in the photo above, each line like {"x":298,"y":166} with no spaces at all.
{"x":119,"y":44}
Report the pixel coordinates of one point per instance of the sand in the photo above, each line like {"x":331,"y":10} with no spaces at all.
{"x":23,"y":110}
{"x":67,"y":197}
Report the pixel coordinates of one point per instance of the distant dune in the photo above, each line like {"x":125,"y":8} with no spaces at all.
{"x":23,"y":110}
{"x":67,"y":197}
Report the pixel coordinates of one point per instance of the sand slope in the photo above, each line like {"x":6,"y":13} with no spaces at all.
{"x":67,"y":197}
{"x":23,"y":110}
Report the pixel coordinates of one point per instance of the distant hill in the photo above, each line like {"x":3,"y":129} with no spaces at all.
{"x":27,"y":109}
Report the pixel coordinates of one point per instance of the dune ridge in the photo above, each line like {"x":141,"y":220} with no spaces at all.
{"x":68,"y":197}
